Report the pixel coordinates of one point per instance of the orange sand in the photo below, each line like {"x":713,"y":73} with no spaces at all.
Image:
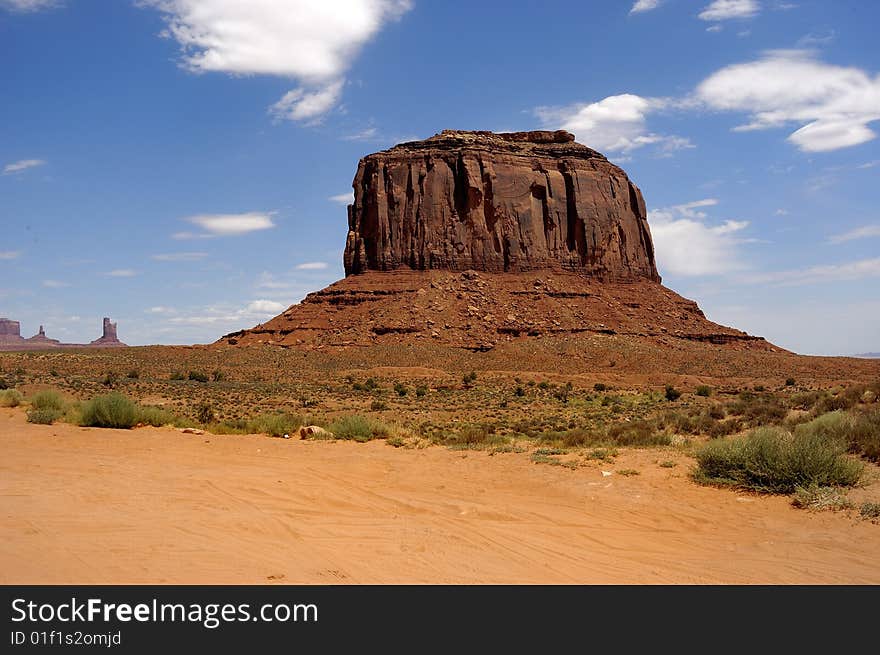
{"x":157,"y":506}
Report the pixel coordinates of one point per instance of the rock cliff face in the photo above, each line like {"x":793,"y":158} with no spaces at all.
{"x":498,"y":203}
{"x":10,"y":331}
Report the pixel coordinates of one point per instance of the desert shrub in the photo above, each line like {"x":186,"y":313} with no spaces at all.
{"x":519,"y":392}
{"x":112,"y":410}
{"x":370,"y":384}
{"x":473,"y":435}
{"x":177,"y":375}
{"x":421,"y":390}
{"x":3,"y":384}
{"x":133,"y":374}
{"x":628,"y":472}
{"x":805,"y":399}
{"x":275,"y":425}
{"x":717,"y":412}
{"x":358,"y":428}
{"x":772,"y":460}
{"x":48,"y":400}
{"x":10,"y":398}
{"x":43,"y":416}
{"x":110,"y":380}
{"x":197,"y":376}
{"x":818,"y":498}
{"x":378,"y":405}
{"x":469,"y":379}
{"x":860,"y":431}
{"x":600,"y":387}
{"x":563,"y":393}
{"x":789,"y":382}
{"x":400,"y":389}
{"x":870,"y":511}
{"x":155,"y":416}
{"x":218,"y":376}
{"x":205,"y":413}
{"x":637,"y":433}
{"x":671,"y":393}
{"x":759,"y":410}
{"x":704,"y":390}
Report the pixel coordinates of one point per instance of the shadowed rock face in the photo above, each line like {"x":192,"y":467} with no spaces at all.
{"x":500,"y":203}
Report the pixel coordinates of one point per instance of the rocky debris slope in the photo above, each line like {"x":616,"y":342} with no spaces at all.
{"x":498,"y":202}
{"x":478,"y":311}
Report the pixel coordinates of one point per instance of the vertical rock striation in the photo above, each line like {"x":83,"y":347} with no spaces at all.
{"x":499,"y":203}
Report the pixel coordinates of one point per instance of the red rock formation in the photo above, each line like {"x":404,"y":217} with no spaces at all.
{"x":41,"y":339}
{"x":499,"y":203}
{"x":10,"y":331}
{"x":108,"y":336}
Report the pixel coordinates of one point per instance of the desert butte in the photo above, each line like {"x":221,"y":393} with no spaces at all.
{"x":531,"y":396}
{"x":154,"y":505}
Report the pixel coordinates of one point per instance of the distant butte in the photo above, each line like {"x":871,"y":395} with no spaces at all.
{"x":472,"y":239}
{"x":11,"y":339}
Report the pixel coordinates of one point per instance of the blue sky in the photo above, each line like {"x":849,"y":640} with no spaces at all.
{"x":183,"y":165}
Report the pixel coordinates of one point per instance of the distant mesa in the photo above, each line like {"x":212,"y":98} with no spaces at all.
{"x":474,"y":239}
{"x":11,"y":339}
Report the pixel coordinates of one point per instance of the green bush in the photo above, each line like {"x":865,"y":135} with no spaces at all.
{"x":155,"y":416}
{"x":704,"y":390}
{"x":48,"y":400}
{"x":275,"y":425}
{"x":112,"y":410}
{"x":421,"y":390}
{"x":177,"y":375}
{"x":43,"y":416}
{"x":133,"y":374}
{"x":205,"y":413}
{"x":519,"y":392}
{"x":10,"y":398}
{"x":772,"y":460}
{"x":358,"y":428}
{"x":218,"y":376}
{"x":789,"y":382}
{"x":197,"y":376}
{"x":860,"y":431}
{"x":378,"y":405}
{"x":672,"y":394}
{"x":600,"y":387}
{"x":400,"y":388}
{"x":637,"y":433}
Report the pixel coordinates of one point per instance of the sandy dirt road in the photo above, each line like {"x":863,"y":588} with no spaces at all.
{"x":156,"y":506}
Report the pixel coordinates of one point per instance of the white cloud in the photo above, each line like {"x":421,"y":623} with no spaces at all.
{"x":869,"y":164}
{"x":265,"y":307}
{"x":865,"y":232}
{"x":24,"y":6}
{"x":613,"y":124}
{"x":160,"y":310}
{"x":343,"y":198}
{"x":230,"y":316}
{"x":302,"y":105}
{"x":311,"y":266}
{"x":834,"y":104}
{"x":714,"y":28}
{"x":644,"y":5}
{"x":857,"y":270}
{"x":222,"y":225}
{"x":55,"y":284}
{"x":686,"y":246}
{"x":9,"y":254}
{"x":180,"y":257}
{"x":727,"y":9}
{"x":312,"y":41}
{"x":364,"y":135}
{"x":122,"y":272}
{"x":22,"y":165}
